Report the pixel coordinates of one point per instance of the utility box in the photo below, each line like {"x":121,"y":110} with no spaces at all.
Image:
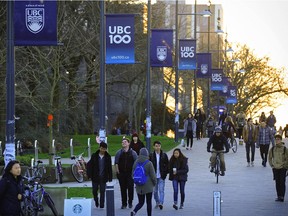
{"x":77,"y":206}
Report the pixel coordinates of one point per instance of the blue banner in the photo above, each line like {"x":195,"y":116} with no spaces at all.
{"x":161,"y":48}
{"x":204,"y":63}
{"x":232,"y":95}
{"x":120,"y":39}
{"x":226,"y":84}
{"x":216,"y":80}
{"x":35,"y":23}
{"x":187,"y":54}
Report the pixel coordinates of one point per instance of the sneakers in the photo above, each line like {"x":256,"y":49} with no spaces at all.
{"x":130,"y":205}
{"x":222,"y":173}
{"x":252,"y":164}
{"x":175,"y":207}
{"x":248,"y":164}
{"x":160,"y":207}
{"x":212,"y":169}
{"x":123,"y":206}
{"x":132,"y":213}
{"x":181,"y":206}
{"x":279,"y":199}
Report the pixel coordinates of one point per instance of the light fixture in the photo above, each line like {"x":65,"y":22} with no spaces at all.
{"x":205,"y":13}
{"x":236,"y":60}
{"x":242,"y":70}
{"x":230,"y":49}
{"x":219,"y":31}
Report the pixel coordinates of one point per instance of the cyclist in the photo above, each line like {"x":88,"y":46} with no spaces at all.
{"x":219,"y":141}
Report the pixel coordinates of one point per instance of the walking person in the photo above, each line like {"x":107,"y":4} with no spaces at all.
{"x":278,"y":160}
{"x":146,"y":190}
{"x":241,"y":122}
{"x":99,"y":170}
{"x":249,"y":137}
{"x":264,"y":138}
{"x":136,"y":144}
{"x":178,"y":174}
{"x":271,"y":121}
{"x":262,"y":117}
{"x":11,"y":190}
{"x":160,"y":162}
{"x":210,"y":125}
{"x":124,"y":160}
{"x":200,"y":118}
{"x":189,"y":130}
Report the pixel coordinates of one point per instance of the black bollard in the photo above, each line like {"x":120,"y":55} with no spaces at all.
{"x":110,"y":206}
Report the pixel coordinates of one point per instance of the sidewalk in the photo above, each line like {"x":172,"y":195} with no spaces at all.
{"x":245,"y":191}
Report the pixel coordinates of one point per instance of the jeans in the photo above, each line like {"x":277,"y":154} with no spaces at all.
{"x":95,"y":186}
{"x":141,"y":199}
{"x":250,"y":145}
{"x":280,"y":178}
{"x":159,"y":191}
{"x":264,"y":152}
{"x":176,"y":184}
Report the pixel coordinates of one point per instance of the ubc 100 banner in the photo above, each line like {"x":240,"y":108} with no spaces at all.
{"x":204,"y":63}
{"x":216,"y":80}
{"x":187,"y":54}
{"x":120,"y":39}
{"x":161,"y":48}
{"x":35,"y":23}
{"x":226,"y":83}
{"x":232,"y":95}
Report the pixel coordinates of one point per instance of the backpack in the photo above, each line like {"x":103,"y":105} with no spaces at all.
{"x":284,"y":151}
{"x":241,"y":122}
{"x":225,"y":127}
{"x":139,"y":175}
{"x":210,"y":123}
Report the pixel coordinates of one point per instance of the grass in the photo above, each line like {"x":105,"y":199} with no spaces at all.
{"x":79,"y":192}
{"x":80,"y":143}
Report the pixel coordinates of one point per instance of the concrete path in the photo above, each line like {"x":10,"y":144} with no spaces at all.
{"x":245,"y":191}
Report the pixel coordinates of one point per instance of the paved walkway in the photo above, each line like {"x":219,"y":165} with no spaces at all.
{"x":245,"y":191}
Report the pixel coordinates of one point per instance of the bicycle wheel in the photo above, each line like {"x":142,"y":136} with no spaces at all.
{"x":76,"y":174}
{"x":217,"y":169}
{"x":28,"y":208}
{"x":234,"y":145}
{"x":50,"y":203}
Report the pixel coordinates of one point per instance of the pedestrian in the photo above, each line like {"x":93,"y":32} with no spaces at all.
{"x":264,"y":138}
{"x":218,"y":142}
{"x":124,"y":160}
{"x":210,"y":125}
{"x":146,"y":190}
{"x":286,"y":131}
{"x":278,"y":160}
{"x":271,"y":121}
{"x":178,"y":174}
{"x":280,"y":131}
{"x":11,"y":190}
{"x":99,"y":170}
{"x":222,"y":117}
{"x":249,"y":137}
{"x":240,"y":122}
{"x":228,"y":127}
{"x":136,"y":144}
{"x":200,"y":118}
{"x":189,"y":130}
{"x":262,"y":117}
{"x":160,"y":162}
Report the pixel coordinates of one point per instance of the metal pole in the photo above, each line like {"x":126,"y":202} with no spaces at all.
{"x":195,"y":71}
{"x":148,"y":94}
{"x":208,"y":81}
{"x":176,"y":75}
{"x":9,"y":153}
{"x":102,"y":90}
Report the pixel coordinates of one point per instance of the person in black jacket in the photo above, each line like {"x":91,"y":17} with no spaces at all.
{"x":99,"y":169}
{"x":178,"y":174}
{"x":160,"y":162}
{"x":136,"y":144}
{"x":219,"y":141}
{"x":11,"y":190}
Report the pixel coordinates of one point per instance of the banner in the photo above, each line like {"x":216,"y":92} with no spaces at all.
{"x":187,"y":54}
{"x":204,"y":63}
{"x":226,"y":84}
{"x":35,"y":23}
{"x":161,"y":48}
{"x":216,"y":80}
{"x":120,"y":39}
{"x":232,"y":95}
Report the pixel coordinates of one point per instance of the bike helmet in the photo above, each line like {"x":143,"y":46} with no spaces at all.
{"x":218,"y":129}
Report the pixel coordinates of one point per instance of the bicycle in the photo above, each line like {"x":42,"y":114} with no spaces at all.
{"x":233,"y":143}
{"x":78,"y":168}
{"x":217,"y":164}
{"x":58,"y":165}
{"x":35,"y":170}
{"x":34,"y":193}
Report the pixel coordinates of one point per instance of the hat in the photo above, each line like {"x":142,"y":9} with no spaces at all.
{"x":218,"y":129}
{"x":103,"y":145}
{"x":278,"y":136}
{"x":144,"y":152}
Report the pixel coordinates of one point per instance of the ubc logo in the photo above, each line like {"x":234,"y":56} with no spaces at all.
{"x":216,"y":77}
{"x":204,"y":68}
{"x":233,"y":93}
{"x":119,"y":34}
{"x":161,"y":53}
{"x":187,"y":52}
{"x":35,"y":19}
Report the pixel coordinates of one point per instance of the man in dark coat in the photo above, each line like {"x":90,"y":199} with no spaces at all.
{"x":99,"y":169}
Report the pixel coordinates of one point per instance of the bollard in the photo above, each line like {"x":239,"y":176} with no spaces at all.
{"x":71,"y":147}
{"x":36,"y":150}
{"x":110,"y":206}
{"x":89,"y":148}
{"x":216,"y":203}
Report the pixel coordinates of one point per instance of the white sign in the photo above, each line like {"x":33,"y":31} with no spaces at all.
{"x":77,"y":206}
{"x":216,"y":203}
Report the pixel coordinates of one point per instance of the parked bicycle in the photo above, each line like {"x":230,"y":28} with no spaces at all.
{"x":58,"y":165}
{"x":78,"y":168}
{"x":233,"y":144}
{"x":217,"y":165}
{"x":33,"y":196}
{"x":35,"y":170}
